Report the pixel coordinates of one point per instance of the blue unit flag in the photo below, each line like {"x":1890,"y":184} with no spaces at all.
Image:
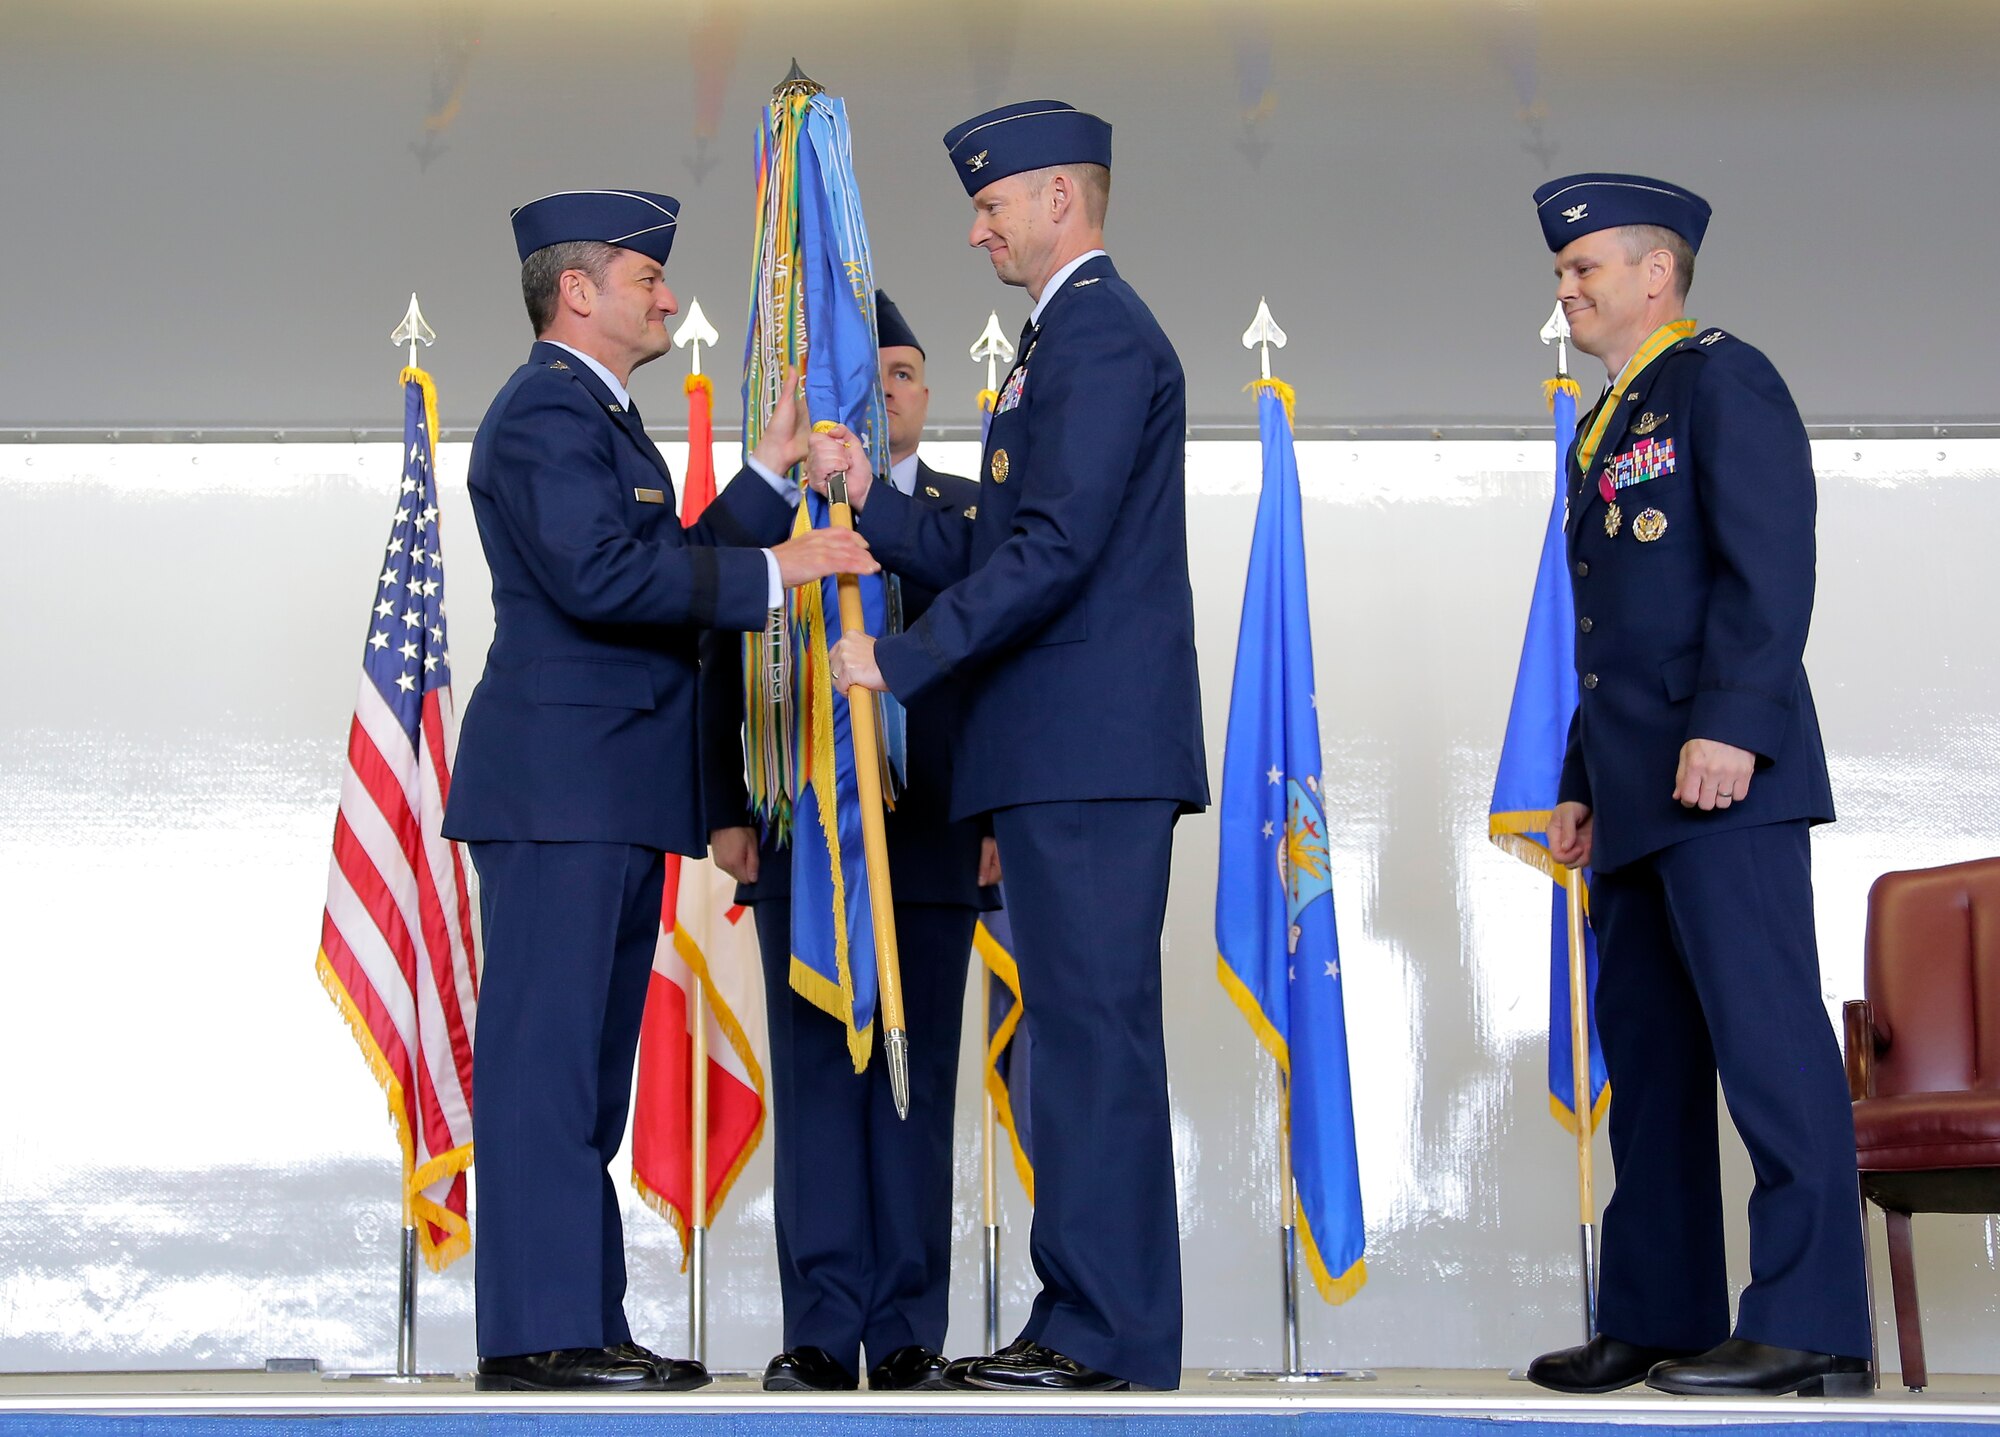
{"x":1525,"y":787}
{"x":1274,"y":918}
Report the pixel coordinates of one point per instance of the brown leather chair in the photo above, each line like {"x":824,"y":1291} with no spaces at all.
{"x":1923,"y":1063}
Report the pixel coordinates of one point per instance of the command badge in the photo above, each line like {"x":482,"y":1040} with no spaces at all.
{"x":1649,"y":526}
{"x":999,"y":466}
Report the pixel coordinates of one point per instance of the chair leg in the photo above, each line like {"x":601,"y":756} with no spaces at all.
{"x":1909,"y":1320}
{"x":1868,"y":1280}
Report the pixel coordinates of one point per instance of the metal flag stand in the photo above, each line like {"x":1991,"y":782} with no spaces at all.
{"x":993,"y":348}
{"x":695,"y":331}
{"x":411,"y":331}
{"x":1261,"y":335}
{"x":1556,"y":331}
{"x":1288,"y":1263}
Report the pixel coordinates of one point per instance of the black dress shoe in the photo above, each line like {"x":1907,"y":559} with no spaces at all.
{"x":1740,"y":1368}
{"x":1024,"y":1366}
{"x":807,"y":1369}
{"x":1603,"y":1364}
{"x":571,"y":1369}
{"x":677,"y":1374}
{"x":908,"y":1369}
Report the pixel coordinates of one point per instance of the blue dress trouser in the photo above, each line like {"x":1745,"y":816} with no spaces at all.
{"x":570,"y":931}
{"x":1709,"y":966}
{"x":1087,"y":898}
{"x":862,"y":1198}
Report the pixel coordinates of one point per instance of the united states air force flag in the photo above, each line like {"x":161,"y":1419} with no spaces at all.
{"x":1525,"y":787}
{"x":1280,"y":956}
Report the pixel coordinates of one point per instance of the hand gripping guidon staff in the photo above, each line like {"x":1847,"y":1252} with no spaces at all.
{"x":862,"y":718}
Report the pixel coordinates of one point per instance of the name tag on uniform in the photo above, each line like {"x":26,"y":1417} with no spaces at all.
{"x":650,"y":496}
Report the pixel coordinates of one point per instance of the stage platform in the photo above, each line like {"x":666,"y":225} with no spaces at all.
{"x":1399,"y":1403}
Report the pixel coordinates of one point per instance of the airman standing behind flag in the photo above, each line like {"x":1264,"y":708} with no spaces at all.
{"x":1693,"y":775}
{"x":862,"y":1198}
{"x":1067,"y":620}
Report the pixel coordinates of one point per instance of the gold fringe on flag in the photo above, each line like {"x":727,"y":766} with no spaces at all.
{"x":1278,"y":387}
{"x":1561,"y":384}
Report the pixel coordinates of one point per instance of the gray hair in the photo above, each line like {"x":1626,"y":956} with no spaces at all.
{"x":542,"y":270}
{"x":1642,"y":240}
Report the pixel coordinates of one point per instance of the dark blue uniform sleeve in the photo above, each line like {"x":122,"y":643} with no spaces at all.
{"x":562,"y":502}
{"x":1574,"y":784}
{"x":1096,"y":389}
{"x":1759,"y":502}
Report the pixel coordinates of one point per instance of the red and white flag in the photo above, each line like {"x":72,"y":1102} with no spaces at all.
{"x":707,"y":944}
{"x":399,"y":944}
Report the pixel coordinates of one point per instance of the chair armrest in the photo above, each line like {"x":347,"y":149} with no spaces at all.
{"x":1858,"y":1017}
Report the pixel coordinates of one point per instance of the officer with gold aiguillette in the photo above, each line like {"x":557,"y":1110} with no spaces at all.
{"x":1693,"y":775}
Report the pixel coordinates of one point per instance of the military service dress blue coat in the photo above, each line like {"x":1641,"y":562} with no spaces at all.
{"x":1069,"y":585}
{"x":1693,"y":601}
{"x":582,"y":727}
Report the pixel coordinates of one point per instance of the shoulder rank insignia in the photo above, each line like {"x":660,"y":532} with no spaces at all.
{"x":932,"y":491}
{"x":615,"y":408}
{"x":1649,"y":421}
{"x":1712,"y":336}
{"x":557,"y":364}
{"x":1082,"y":282}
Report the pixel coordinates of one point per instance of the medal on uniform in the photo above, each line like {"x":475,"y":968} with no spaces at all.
{"x":1650,"y":524}
{"x":999,"y":469}
{"x":1608,"y":492}
{"x":1613,"y":517}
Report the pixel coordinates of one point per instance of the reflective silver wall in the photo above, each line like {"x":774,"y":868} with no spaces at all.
{"x":195,"y":1168}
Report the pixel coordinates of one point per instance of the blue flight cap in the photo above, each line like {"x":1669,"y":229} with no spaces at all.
{"x":891,"y":329}
{"x":630,"y":219}
{"x":1580,"y":204}
{"x":1031,"y":135}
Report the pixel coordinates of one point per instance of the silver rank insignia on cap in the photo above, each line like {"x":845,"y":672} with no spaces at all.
{"x":1649,"y":526}
{"x":1576,"y":212}
{"x":977,"y":162}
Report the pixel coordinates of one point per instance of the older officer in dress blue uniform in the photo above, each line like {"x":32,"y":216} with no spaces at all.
{"x":577,"y":767}
{"x":863,"y":1198}
{"x":1068,"y":625}
{"x":1694,"y":772}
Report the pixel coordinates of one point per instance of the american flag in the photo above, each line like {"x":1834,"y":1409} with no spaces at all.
{"x":399,"y":947}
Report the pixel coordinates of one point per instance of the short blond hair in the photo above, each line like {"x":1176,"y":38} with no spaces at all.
{"x":1093,"y":183}
{"x":1642,"y":240}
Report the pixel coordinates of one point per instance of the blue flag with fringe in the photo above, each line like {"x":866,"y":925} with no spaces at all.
{"x":814,"y":305}
{"x":1274,"y":920}
{"x":1530,"y":772}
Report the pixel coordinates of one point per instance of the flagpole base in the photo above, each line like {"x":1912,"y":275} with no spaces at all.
{"x":1587,"y":1243}
{"x":989,"y":1271}
{"x":1302,"y":1375}
{"x":897,"y":1049}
